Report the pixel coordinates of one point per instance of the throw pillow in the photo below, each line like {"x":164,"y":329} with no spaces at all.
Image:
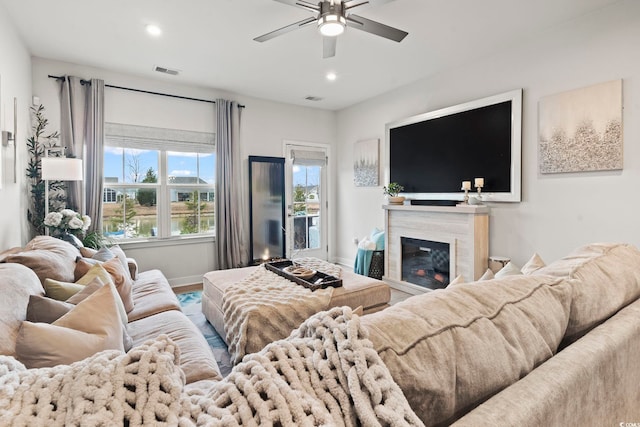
{"x":508,"y":270}
{"x":488,"y":275}
{"x":119,"y":276}
{"x":92,"y":326}
{"x":534,"y":263}
{"x":119,"y":253}
{"x":46,"y":310}
{"x":88,"y":290}
{"x":87,"y":252}
{"x":104,"y":254}
{"x":48,"y":257}
{"x":60,"y":290}
{"x":90,"y":272}
{"x":457,"y":281}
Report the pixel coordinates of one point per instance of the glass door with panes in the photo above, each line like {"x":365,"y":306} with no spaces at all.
{"x":306,"y":184}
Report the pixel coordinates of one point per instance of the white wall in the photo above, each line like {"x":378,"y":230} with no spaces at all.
{"x":558,"y":212}
{"x":15,"y":72}
{"x":265,"y":125}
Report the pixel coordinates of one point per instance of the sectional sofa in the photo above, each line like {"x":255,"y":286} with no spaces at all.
{"x":155,"y":309}
{"x":557,"y":346}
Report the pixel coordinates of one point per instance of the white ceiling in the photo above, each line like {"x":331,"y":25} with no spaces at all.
{"x":211,"y":41}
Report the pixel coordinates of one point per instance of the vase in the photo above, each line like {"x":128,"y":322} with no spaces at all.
{"x":68,"y":237}
{"x":396,"y":200}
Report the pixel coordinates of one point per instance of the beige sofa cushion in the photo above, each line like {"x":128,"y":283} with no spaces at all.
{"x":152,"y":294}
{"x":93,"y":325}
{"x":453,"y":348}
{"x":196,"y":358}
{"x":17,"y":282}
{"x":49,"y":258}
{"x":605,"y":278}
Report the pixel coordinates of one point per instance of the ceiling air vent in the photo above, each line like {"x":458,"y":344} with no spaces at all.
{"x":166,"y":70}
{"x":313,"y":98}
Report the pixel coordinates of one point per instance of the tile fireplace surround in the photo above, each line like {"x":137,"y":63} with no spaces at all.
{"x":464,"y":228}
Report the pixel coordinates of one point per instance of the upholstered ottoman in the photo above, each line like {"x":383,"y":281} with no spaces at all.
{"x":356,"y":290}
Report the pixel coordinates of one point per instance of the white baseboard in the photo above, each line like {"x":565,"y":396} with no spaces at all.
{"x":344,"y":262}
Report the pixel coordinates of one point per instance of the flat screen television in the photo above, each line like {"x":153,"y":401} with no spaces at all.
{"x":432,"y":153}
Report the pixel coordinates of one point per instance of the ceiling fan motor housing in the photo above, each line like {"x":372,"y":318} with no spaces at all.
{"x":331,"y":20}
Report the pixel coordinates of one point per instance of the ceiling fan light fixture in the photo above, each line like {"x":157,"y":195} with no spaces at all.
{"x":332,"y":25}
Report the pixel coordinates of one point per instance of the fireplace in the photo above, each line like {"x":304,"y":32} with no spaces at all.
{"x":431,"y":233}
{"x":426,"y":263}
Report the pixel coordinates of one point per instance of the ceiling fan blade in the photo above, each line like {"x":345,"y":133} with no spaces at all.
{"x":329,"y":46}
{"x":355,"y":3}
{"x":373,"y":27}
{"x":301,"y":3}
{"x":280,"y":31}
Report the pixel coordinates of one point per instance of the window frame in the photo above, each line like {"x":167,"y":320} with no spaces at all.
{"x":184,"y":141}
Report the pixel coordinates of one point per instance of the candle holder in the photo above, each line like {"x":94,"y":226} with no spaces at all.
{"x":466,"y":196}
{"x":479,"y":190}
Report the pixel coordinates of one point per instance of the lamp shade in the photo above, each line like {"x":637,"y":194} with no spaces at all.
{"x":61,"y":169}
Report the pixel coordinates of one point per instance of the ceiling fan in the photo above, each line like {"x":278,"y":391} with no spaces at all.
{"x":333,"y":16}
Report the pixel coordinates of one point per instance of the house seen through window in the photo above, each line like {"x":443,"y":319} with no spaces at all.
{"x":157,"y":183}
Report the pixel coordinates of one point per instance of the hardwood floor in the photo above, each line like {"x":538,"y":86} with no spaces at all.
{"x":187,"y":288}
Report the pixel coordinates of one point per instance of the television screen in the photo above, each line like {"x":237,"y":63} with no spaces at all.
{"x":431,"y":154}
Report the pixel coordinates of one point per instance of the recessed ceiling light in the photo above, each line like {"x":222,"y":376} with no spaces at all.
{"x":153,"y":30}
{"x":331,"y":76}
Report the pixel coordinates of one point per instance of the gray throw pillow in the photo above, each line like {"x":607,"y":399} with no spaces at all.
{"x":46,"y":310}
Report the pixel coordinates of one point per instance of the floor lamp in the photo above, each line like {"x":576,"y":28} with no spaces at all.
{"x":59,"y":169}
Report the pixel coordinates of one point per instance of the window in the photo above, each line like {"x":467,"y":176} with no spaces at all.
{"x":157,"y":182}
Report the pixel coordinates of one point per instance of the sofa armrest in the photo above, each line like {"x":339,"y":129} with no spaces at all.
{"x":133,"y":268}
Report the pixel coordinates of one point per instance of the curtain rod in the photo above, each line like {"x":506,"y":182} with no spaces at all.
{"x":88,"y":82}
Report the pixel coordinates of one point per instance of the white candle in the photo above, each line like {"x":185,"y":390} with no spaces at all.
{"x":479,"y":182}
{"x":466,"y":185}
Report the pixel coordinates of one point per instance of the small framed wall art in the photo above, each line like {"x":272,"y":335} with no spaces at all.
{"x":366,"y":163}
{"x":581,"y":130}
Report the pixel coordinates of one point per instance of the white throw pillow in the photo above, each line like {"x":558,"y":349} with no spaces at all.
{"x":457,"y":281}
{"x":534,"y":263}
{"x":488,"y":275}
{"x":508,"y":270}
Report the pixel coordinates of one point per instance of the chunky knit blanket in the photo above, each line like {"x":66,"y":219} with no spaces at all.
{"x":265,"y":307}
{"x":325,"y":373}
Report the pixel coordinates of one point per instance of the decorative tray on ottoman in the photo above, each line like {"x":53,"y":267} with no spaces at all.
{"x":303,"y":276}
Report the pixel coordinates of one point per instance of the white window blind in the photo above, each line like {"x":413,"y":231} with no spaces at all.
{"x":309,"y":158}
{"x":153,"y":138}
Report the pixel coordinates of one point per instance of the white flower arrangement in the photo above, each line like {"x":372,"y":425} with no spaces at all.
{"x":67,"y":221}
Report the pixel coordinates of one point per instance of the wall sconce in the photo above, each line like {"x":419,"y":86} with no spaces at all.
{"x":59,"y":169}
{"x":8,"y":136}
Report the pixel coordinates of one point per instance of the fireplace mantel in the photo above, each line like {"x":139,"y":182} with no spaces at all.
{"x":465,"y":226}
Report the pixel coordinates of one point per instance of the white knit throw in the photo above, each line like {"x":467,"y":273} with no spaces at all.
{"x":325,"y":373}
{"x":143,"y":386}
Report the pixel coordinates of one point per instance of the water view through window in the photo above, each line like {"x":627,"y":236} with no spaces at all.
{"x":140,"y":202}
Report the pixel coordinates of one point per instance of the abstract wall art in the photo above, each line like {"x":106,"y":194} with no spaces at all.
{"x":581,"y":130}
{"x":366,"y":163}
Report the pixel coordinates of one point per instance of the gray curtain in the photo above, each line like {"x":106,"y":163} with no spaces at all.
{"x":230,"y":225}
{"x":72,"y":131}
{"x":82,"y":135}
{"x":94,"y":154}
